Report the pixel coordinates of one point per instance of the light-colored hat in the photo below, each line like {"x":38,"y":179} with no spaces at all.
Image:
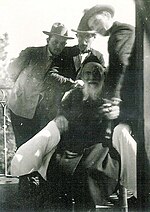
{"x":59,"y":30}
{"x":93,"y":11}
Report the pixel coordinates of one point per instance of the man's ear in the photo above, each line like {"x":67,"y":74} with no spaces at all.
{"x":48,"y":39}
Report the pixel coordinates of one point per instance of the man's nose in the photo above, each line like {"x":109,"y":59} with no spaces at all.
{"x":95,"y":75}
{"x":84,"y":42}
{"x":58,"y":46}
{"x":91,"y":76}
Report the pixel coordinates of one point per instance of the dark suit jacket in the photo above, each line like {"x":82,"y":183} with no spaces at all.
{"x":120,"y":80}
{"x":28,"y":72}
{"x":70,"y":53}
{"x":120,"y":46}
{"x":80,"y":154}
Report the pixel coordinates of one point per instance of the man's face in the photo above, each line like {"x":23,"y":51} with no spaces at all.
{"x":93,"y":77}
{"x":56,"y":44}
{"x":84,"y":41}
{"x":99,"y":23}
{"x":92,"y":73}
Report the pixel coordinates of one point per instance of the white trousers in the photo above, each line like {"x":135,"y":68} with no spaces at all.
{"x":36,"y":153}
{"x":124,"y":143}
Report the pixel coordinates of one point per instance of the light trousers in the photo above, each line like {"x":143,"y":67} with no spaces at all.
{"x":36,"y":153}
{"x":124,"y":143}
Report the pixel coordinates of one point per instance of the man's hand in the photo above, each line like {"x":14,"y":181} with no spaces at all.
{"x":79,"y":83}
{"x":110,"y":110}
{"x":62,"y":123}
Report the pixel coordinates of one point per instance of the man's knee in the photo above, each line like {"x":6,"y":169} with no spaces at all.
{"x":122,"y":129}
{"x":122,"y":133}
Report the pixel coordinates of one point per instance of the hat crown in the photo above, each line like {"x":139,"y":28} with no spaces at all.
{"x":97,"y":9}
{"x":59,"y":29}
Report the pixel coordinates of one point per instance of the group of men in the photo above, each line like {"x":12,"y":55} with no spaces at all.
{"x":64,"y":137}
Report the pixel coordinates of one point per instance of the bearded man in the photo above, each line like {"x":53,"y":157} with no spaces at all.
{"x":83,"y":167}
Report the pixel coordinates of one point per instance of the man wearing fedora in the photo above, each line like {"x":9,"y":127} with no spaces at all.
{"x":72,"y":58}
{"x":76,"y":55}
{"x":29,"y":72}
{"x":121,"y":76}
{"x":120,"y":82}
{"x":34,"y":75}
{"x":78,"y":132}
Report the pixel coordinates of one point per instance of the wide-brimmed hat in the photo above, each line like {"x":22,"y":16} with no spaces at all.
{"x":83,"y":25}
{"x":59,"y":30}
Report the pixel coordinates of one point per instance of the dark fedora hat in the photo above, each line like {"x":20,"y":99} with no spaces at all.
{"x":97,"y":9}
{"x":59,"y":30}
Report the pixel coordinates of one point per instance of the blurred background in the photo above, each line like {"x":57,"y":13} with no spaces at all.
{"x":24,"y":20}
{"x":21,"y":25}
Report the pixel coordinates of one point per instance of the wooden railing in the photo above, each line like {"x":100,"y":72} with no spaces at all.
{"x":5,"y":122}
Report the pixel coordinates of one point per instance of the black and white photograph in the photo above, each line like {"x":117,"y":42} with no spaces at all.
{"x":74,"y":105}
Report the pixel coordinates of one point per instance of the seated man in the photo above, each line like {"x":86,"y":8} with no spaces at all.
{"x":83,"y":166}
{"x":83,"y":163}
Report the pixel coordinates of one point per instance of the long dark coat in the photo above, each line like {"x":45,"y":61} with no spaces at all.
{"x":83,"y":166}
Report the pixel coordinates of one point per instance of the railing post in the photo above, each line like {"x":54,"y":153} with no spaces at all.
{"x":123,"y":202}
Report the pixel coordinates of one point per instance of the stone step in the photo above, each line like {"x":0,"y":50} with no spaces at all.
{"x":8,"y":193}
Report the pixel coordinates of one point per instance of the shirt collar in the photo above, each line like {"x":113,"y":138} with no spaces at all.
{"x":88,"y":51}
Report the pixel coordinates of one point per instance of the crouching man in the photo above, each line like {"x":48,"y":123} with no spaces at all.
{"x":71,"y":154}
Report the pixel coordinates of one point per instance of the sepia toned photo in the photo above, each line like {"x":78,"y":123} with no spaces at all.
{"x":74,"y":105}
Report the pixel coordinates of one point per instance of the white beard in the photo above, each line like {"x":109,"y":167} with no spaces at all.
{"x":92,"y":91}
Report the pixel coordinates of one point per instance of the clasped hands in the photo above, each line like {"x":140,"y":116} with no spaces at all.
{"x":109,"y":109}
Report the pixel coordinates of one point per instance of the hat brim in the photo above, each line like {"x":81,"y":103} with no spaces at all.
{"x":49,"y":33}
{"x":83,"y":25}
{"x":84,"y":31}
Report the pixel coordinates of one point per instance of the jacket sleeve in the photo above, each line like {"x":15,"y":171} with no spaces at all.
{"x":120,"y":50}
{"x":99,"y":56}
{"x":53,"y":78}
{"x":71,"y":104}
{"x":123,"y":45}
{"x":16,"y":66}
